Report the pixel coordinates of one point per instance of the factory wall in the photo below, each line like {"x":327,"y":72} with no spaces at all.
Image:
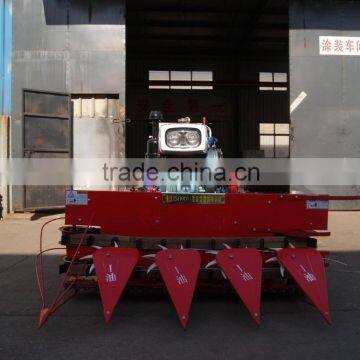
{"x":70,"y":46}
{"x":326,"y":123}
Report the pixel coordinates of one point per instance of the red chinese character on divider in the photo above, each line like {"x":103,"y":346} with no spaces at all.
{"x":339,"y":46}
{"x":349,"y":45}
{"x":326,"y":45}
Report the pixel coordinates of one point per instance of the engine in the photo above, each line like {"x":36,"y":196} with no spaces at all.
{"x":180,"y":139}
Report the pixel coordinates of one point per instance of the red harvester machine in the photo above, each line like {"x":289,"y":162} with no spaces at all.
{"x":251,"y":242}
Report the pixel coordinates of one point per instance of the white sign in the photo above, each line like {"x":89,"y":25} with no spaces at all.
{"x":339,"y":45}
{"x":74,"y":198}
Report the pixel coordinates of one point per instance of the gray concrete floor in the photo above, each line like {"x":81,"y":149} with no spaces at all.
{"x":146,"y":327}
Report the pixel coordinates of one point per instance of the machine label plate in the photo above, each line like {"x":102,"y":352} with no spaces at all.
{"x":317,"y":204}
{"x":199,"y":199}
{"x":74,"y":198}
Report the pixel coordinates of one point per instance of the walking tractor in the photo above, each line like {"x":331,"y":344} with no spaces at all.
{"x":191,"y":237}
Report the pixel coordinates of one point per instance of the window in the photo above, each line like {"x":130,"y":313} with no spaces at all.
{"x":276,"y":78}
{"x":180,"y":80}
{"x":158,"y":75}
{"x":95,"y":106}
{"x":275,"y":140}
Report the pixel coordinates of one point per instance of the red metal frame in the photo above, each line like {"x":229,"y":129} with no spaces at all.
{"x":143,"y":214}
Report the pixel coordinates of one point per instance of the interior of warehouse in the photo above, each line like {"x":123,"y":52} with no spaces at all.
{"x":227,"y":61}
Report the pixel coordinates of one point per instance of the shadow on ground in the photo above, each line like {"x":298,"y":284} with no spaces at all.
{"x":146,"y":326}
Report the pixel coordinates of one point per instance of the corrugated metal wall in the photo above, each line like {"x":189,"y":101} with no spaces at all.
{"x":326,"y":124}
{"x":69,"y":46}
